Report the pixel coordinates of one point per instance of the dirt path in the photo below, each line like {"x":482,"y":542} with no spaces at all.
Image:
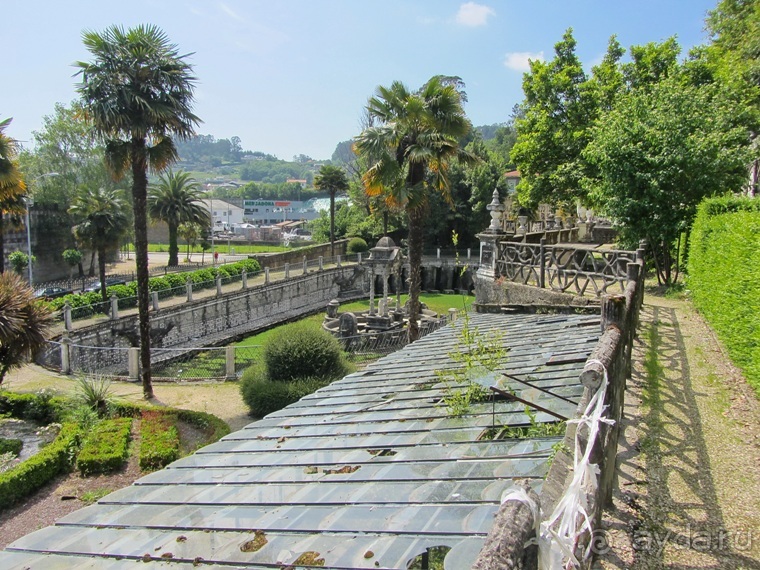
{"x":688,"y":493}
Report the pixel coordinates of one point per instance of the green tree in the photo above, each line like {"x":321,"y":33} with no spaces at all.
{"x":12,"y":185}
{"x":332,"y":180}
{"x":24,"y":323}
{"x":176,"y":199}
{"x":73,"y":258}
{"x":137,"y":93}
{"x":191,"y":232}
{"x":734,"y":59}
{"x":411,"y":139}
{"x":103,"y":223}
{"x":559,"y":109}
{"x":659,"y":152}
{"x":19,"y":261}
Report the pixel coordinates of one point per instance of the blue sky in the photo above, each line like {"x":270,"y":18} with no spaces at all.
{"x":292,"y":76}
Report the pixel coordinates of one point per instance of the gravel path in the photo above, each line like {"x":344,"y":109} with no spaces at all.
{"x":688,"y":492}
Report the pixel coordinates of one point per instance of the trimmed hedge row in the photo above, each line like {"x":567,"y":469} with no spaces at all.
{"x":42,"y":408}
{"x":264,"y":396}
{"x":86,"y":304}
{"x":10,"y":445}
{"x":18,"y":483}
{"x":160,"y":440}
{"x":218,"y":428}
{"x":723,"y":276}
{"x":106,"y":449}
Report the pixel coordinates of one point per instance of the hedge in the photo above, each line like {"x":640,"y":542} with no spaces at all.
{"x":159,"y":444}
{"x":41,"y":408}
{"x":18,"y":483}
{"x":10,"y":445}
{"x":218,"y":428}
{"x":106,"y":447}
{"x":723,"y":277}
{"x":264,"y":396}
{"x":173,"y":284}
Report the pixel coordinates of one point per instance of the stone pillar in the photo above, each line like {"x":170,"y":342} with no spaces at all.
{"x":321,"y":263}
{"x":438,"y":253}
{"x":305,"y":265}
{"x":337,"y":261}
{"x":266,"y":276}
{"x":485,"y":289}
{"x":244,"y":279}
{"x":371,"y":289}
{"x":287,"y":271}
{"x":189,"y":287}
{"x":384,"y":306}
{"x":154,"y":299}
{"x":114,"y":307}
{"x":65,"y":354}
{"x":452,"y":315}
{"x":469,"y":253}
{"x":359,"y":257}
{"x":229,"y":358}
{"x":218,"y":285}
{"x":134,"y":364}
{"x":67,"y":316}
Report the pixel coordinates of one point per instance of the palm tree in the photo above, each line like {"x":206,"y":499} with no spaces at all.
{"x":12,"y":186}
{"x":24,"y":323}
{"x":333,"y":180}
{"x":176,"y":199}
{"x":138,"y":93}
{"x":191,"y":232}
{"x":410,"y":140}
{"x":104,"y":223}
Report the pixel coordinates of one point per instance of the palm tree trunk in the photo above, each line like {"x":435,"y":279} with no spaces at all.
{"x":102,"y":275}
{"x":140,"y":205}
{"x":173,"y":247}
{"x":332,"y":222}
{"x":2,"y":244}
{"x":416,"y":225}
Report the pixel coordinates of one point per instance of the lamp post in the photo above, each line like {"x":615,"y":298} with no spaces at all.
{"x":29,"y":201}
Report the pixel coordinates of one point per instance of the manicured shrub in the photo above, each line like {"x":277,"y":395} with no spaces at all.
{"x":10,"y":445}
{"x":177,"y":282}
{"x":356,"y":245}
{"x":264,"y":396}
{"x":300,"y":351}
{"x":42,"y":407}
{"x":159,"y":443}
{"x":724,"y":272}
{"x":106,"y":447}
{"x":250,"y":265}
{"x":19,"y":482}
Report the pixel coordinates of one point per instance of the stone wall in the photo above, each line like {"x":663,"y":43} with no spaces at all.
{"x":295,"y":256}
{"x":211,"y":322}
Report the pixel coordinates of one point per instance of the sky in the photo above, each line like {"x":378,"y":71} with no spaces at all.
{"x":291,"y":77}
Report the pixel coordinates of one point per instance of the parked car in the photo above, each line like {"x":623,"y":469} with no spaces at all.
{"x":52,"y":292}
{"x":109,"y":281}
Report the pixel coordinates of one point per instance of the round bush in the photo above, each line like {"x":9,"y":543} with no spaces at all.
{"x":357,"y":245}
{"x":300,"y":351}
{"x":262,"y":396}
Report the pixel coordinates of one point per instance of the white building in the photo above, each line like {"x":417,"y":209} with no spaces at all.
{"x":223,"y":214}
{"x":268,"y":212}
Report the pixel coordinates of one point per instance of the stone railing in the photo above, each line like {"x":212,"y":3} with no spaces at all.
{"x":564,"y":269}
{"x":581,"y":478}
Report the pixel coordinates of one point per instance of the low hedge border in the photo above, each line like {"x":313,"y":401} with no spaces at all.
{"x":106,"y":449}
{"x":19,"y":482}
{"x":86,"y":304}
{"x":42,"y":407}
{"x":218,"y":428}
{"x":159,"y":444}
{"x":10,"y":445}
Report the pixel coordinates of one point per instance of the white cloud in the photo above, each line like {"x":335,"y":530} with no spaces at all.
{"x":518,"y":60}
{"x":230,"y":12}
{"x":474,"y":15}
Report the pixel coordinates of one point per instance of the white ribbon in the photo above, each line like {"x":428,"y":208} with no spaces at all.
{"x":558,"y":536}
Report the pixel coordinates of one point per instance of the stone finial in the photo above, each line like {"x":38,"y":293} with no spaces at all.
{"x":495,"y":208}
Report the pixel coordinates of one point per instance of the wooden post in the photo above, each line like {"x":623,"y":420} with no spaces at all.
{"x":513,"y":527}
{"x":542,"y":255}
{"x":613,"y":311}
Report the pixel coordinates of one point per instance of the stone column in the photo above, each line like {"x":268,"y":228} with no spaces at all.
{"x":114,"y":307}
{"x":337,"y":261}
{"x":67,"y":316}
{"x":244,"y":279}
{"x":287,"y":271}
{"x":371,"y":289}
{"x":189,"y":287}
{"x":305,"y":265}
{"x":154,"y":299}
{"x":321,"y":263}
{"x":218,"y":285}
{"x":485,"y":289}
{"x":266,"y":276}
{"x":229,"y":357}
{"x":65,"y":354}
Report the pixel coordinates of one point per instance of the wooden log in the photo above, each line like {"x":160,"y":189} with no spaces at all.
{"x":505,"y":546}
{"x":613,"y":311}
{"x":604,"y":353}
